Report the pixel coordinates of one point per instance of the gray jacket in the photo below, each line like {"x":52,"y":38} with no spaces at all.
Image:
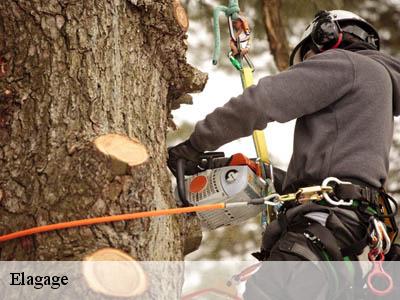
{"x":344,"y":103}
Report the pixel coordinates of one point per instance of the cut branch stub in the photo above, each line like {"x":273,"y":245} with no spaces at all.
{"x":114,"y":273}
{"x":181,"y":15}
{"x":122,"y":149}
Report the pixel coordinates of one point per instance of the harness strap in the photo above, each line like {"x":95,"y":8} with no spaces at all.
{"x":329,"y":241}
{"x":294,"y":245}
{"x":354,"y":191}
{"x":283,"y":223}
{"x":326,"y":238}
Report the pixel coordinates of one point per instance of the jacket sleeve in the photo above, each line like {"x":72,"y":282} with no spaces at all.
{"x":303,"y":89}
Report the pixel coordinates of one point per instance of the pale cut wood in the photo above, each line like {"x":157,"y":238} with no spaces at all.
{"x":114,"y":273}
{"x":122,"y":148}
{"x":181,"y":15}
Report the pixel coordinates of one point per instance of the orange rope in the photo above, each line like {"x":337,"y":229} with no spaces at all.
{"x":116,"y":218}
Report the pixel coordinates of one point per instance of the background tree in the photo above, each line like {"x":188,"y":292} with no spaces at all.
{"x":70,"y":72}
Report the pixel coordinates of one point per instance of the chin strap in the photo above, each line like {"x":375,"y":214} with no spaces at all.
{"x":337,"y":44}
{"x":339,"y":41}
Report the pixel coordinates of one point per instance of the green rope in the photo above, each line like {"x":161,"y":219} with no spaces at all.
{"x":232,"y":10}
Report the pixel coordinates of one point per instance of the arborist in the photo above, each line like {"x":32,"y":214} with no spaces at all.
{"x":344,"y":94}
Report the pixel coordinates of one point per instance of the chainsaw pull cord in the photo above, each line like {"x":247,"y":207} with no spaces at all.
{"x":231,"y":12}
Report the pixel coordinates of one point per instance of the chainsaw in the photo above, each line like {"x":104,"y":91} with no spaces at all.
{"x":229,"y":180}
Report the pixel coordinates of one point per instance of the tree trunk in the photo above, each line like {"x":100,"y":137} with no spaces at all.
{"x":276,"y":34}
{"x":71,"y":71}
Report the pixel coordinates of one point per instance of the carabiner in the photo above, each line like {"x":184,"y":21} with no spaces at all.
{"x":231,"y":29}
{"x":384,"y":236}
{"x":329,"y":199}
{"x":381,"y":235}
{"x":378,"y":271}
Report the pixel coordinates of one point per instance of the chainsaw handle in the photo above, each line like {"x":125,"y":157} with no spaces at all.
{"x":213,"y":160}
{"x":180,"y":180}
{"x":210,"y":158}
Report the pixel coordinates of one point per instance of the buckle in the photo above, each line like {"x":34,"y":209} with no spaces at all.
{"x":313,"y":239}
{"x":310,"y":193}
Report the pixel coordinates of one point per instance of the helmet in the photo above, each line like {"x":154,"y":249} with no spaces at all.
{"x":326,"y":32}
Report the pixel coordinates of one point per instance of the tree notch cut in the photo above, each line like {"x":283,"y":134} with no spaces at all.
{"x":114,"y":273}
{"x":122,"y":148}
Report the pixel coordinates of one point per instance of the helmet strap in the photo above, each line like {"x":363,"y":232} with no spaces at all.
{"x":339,"y":41}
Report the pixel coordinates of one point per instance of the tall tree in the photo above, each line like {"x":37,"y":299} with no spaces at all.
{"x":71,"y":71}
{"x":278,"y":43}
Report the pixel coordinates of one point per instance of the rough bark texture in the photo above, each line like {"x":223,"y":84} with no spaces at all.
{"x":76,"y":70}
{"x":276,"y":34}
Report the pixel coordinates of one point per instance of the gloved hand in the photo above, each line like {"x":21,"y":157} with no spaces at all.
{"x":186,"y":151}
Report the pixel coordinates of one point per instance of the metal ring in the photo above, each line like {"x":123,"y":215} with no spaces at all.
{"x":329,"y":199}
{"x":378,"y":271}
{"x":270,"y":197}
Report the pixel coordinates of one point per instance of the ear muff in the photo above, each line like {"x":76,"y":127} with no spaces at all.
{"x":326,"y":33}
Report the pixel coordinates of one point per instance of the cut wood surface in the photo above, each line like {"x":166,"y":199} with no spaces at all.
{"x":181,"y":15}
{"x":122,"y":148}
{"x":114,"y":273}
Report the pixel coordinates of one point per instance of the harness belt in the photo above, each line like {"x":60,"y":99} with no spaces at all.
{"x":354,"y":191}
{"x":377,"y":199}
{"x":346,"y":190}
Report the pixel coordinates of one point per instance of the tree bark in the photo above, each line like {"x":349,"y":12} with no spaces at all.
{"x":75,"y":70}
{"x":276,"y":34}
